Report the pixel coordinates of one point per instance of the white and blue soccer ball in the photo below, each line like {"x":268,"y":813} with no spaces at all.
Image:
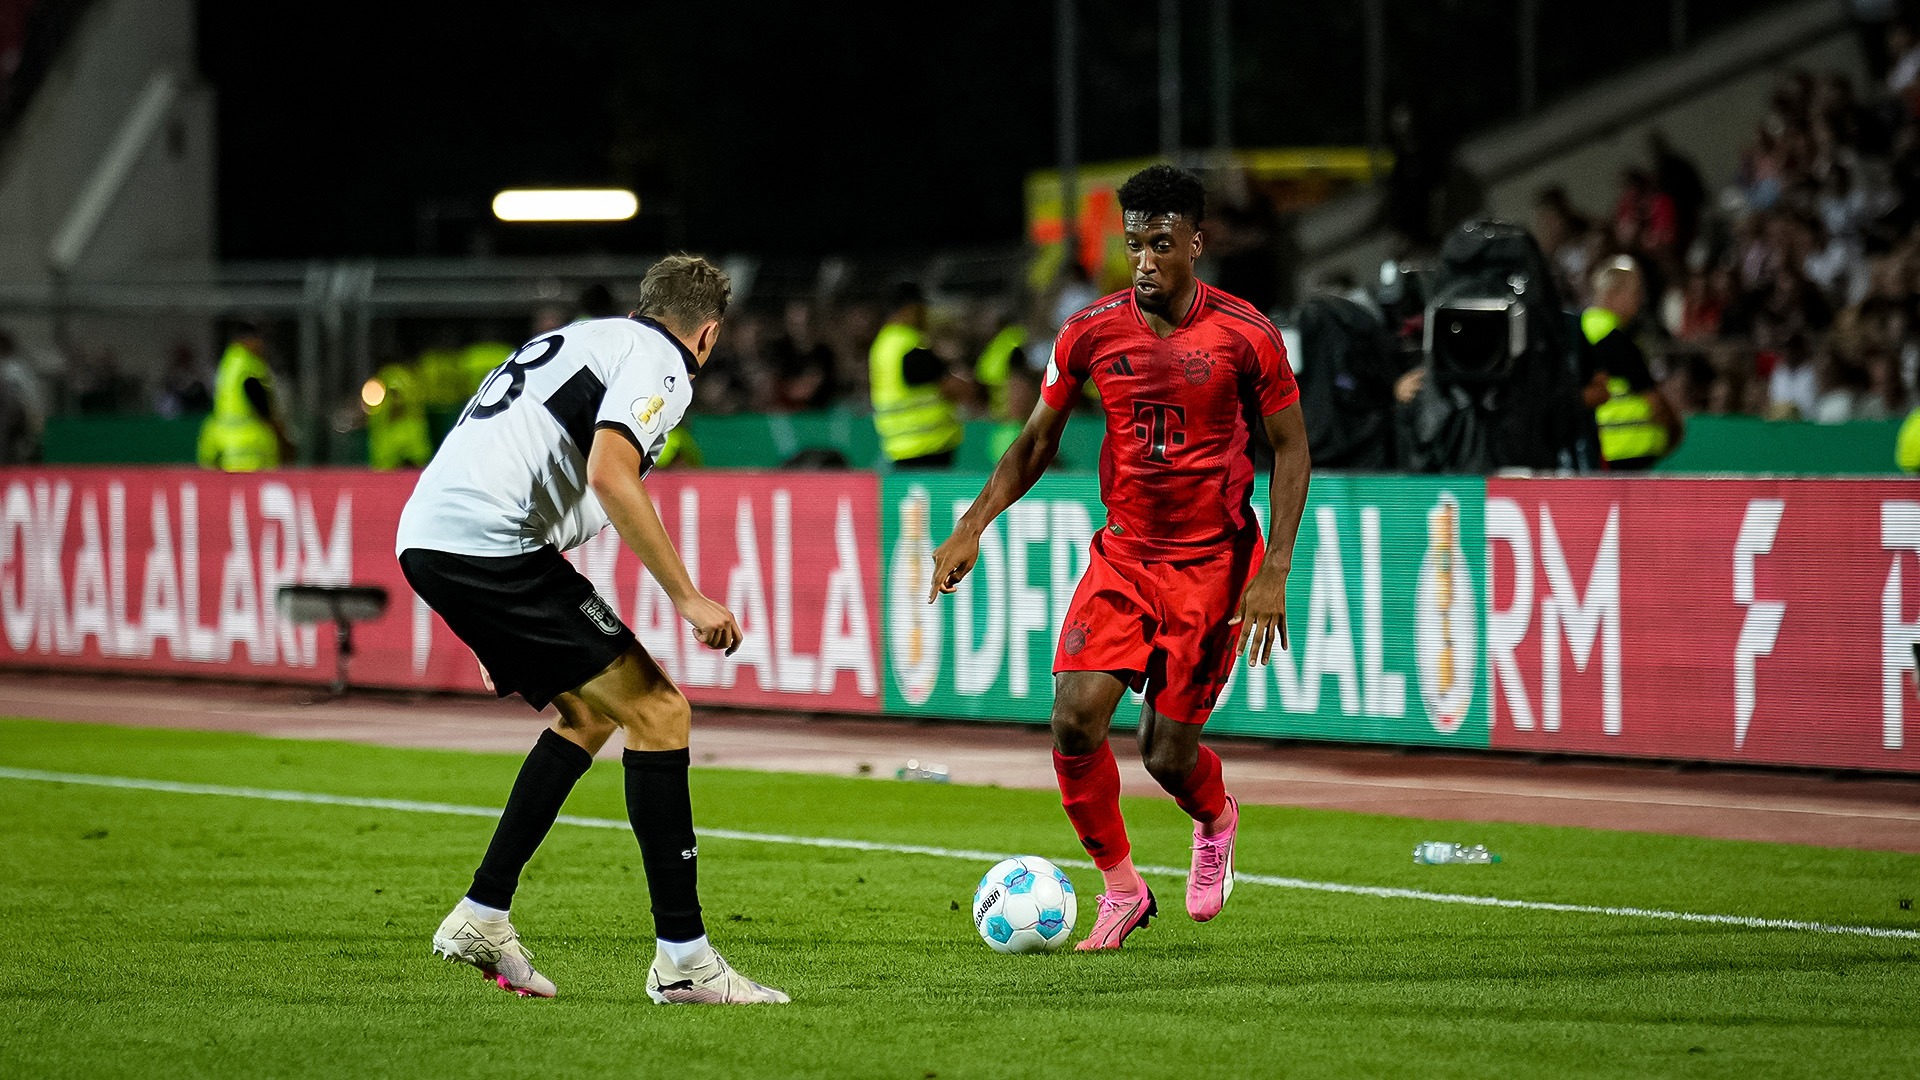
{"x":1024,"y":905}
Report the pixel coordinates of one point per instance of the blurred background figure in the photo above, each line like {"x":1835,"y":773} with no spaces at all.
{"x":914,"y":394}
{"x":183,"y":385}
{"x":1004,"y":354}
{"x":244,"y":433}
{"x":804,"y":368}
{"x":397,"y":432}
{"x":23,"y":405}
{"x":1638,"y":425}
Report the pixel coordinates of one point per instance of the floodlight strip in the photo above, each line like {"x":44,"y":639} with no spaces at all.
{"x":1384,"y":892}
{"x":565,"y":204}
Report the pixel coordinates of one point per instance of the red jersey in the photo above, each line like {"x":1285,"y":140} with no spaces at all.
{"x":1176,"y":467}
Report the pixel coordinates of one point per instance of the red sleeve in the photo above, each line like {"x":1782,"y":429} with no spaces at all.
{"x":1271,"y":374}
{"x":1067,"y":368}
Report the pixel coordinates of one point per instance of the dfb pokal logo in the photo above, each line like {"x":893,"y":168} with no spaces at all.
{"x":1445,"y":635}
{"x":913,"y":624}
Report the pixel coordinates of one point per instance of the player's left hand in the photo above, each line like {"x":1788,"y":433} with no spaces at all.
{"x":1262,"y":616}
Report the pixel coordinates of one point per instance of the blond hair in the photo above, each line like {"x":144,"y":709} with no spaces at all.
{"x":1610,"y":276}
{"x":684,"y":291}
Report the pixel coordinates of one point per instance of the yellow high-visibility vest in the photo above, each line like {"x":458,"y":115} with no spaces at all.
{"x":1627,"y":427}
{"x":477,"y":361}
{"x":234,"y":437}
{"x":441,"y":375}
{"x":990,"y":370}
{"x":1906,"y":449}
{"x":396,"y":420}
{"x":681,"y":448}
{"x":913,"y":421}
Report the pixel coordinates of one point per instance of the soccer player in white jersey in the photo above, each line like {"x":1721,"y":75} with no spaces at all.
{"x":552,"y":449}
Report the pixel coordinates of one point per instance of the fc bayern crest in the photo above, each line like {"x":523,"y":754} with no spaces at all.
{"x":1075,"y":639}
{"x":1198,"y":366}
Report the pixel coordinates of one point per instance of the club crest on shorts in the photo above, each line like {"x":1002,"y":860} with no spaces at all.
{"x":646,"y":412}
{"x":1075,"y":639}
{"x":1198,"y":366}
{"x":601,"y":614}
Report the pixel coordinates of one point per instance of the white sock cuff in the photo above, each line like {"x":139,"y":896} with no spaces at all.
{"x":490,"y":914}
{"x":681,"y":952}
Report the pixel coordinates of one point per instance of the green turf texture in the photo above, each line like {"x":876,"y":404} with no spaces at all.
{"x":147,"y":933}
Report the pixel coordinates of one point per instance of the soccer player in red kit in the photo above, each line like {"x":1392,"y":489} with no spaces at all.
{"x":1179,"y":581}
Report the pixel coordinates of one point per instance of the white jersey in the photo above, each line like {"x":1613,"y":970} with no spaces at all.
{"x":511,"y":476}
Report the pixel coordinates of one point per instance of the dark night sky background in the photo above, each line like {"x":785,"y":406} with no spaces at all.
{"x":793,"y":128}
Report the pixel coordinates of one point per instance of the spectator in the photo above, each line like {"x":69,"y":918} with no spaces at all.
{"x":1644,"y":219}
{"x":26,"y":405}
{"x":1839,"y":389}
{"x":804,"y":375}
{"x":1792,"y":384}
{"x":1076,"y":292}
{"x":1678,"y":179}
{"x":1903,"y":48}
{"x":1885,"y":398}
{"x":597,"y":302}
{"x":1564,"y":234}
{"x":183,"y":385}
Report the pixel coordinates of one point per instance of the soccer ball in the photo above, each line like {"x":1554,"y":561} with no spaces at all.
{"x":1024,"y":905}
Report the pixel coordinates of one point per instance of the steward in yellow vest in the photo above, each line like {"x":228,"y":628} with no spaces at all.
{"x":243,"y":434}
{"x":397,"y":432}
{"x":477,"y":361}
{"x":1638,"y":426}
{"x":1906,"y":449}
{"x":918,"y":424}
{"x":681,"y":452}
{"x":1002,"y":365}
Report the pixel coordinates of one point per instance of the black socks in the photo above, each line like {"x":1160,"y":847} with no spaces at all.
{"x":661,"y":810}
{"x":552,"y":768}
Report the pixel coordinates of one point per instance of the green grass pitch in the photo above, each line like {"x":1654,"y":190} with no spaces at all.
{"x":157,"y":934}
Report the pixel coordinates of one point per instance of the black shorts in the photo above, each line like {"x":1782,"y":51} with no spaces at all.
{"x":533,"y":620}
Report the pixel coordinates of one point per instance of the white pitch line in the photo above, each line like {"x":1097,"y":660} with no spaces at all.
{"x":412,"y":806}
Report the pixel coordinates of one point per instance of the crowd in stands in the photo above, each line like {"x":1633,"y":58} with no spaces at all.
{"x":1792,"y":293}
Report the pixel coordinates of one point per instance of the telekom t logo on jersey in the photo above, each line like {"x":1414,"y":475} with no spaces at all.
{"x":1159,"y":424}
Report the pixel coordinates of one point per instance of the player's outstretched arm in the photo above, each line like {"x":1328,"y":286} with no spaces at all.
{"x":613,"y":472}
{"x":1024,"y":462}
{"x":1262,"y":617}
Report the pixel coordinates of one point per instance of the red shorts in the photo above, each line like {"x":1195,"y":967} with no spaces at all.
{"x":1164,"y":623}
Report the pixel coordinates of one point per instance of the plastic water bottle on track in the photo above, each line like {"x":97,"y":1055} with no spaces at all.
{"x":1441,"y":853}
{"x":926,"y":773}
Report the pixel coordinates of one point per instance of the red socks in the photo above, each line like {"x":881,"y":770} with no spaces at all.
{"x":1090,"y":790}
{"x":1203,"y":796}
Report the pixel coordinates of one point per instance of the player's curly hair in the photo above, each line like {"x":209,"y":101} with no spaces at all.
{"x":1164,"y":189}
{"x":684,"y":291}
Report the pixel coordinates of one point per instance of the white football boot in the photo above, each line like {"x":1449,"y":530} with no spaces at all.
{"x":710,"y":981}
{"x":493,"y":946}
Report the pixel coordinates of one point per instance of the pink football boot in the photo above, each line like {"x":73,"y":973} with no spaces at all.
{"x":1210,"y":881}
{"x":1119,"y":916}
